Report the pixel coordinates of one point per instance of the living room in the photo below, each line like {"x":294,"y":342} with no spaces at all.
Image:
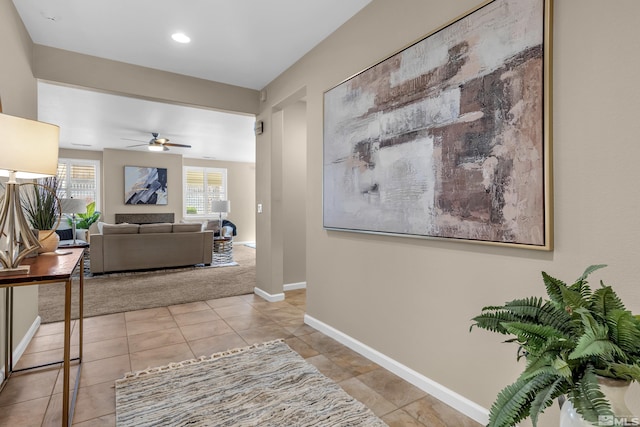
{"x":403,"y":301}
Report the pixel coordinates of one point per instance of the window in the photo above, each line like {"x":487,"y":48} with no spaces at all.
{"x":202,"y":186}
{"x":79,"y":179}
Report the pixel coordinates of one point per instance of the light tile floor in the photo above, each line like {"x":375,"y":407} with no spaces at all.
{"x":119,"y":343}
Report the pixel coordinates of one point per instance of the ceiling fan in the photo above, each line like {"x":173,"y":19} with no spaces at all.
{"x":158,"y":144}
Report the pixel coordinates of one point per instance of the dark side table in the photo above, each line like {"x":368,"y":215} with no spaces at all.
{"x":48,"y":269}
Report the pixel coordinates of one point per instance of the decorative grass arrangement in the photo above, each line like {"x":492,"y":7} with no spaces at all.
{"x":41,"y":205}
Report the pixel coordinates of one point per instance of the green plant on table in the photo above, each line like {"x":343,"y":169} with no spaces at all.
{"x":568,"y":340}
{"x":41,"y":206}
{"x":84,"y":220}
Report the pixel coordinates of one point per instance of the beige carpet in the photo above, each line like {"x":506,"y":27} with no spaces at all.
{"x":266,"y":385}
{"x":117,"y":293}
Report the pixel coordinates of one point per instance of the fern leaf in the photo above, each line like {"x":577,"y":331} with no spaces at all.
{"x":493,"y":321}
{"x":624,"y":330}
{"x":531,"y":333}
{"x":621,"y":371}
{"x":595,"y":342}
{"x":528,"y":307}
{"x":547,"y":360}
{"x":605,"y":300}
{"x":590,"y":270}
{"x":587,"y":398}
{"x":554,"y":289}
{"x":573,"y":300}
{"x":514,"y":401}
{"x":556,"y":318}
{"x":545,"y":397}
{"x":562,"y":368}
{"x":583,"y":289}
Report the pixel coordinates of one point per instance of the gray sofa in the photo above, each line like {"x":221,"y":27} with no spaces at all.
{"x":121,"y":247}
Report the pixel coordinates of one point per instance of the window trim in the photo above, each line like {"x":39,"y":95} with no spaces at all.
{"x":203,"y":169}
{"x":86,"y":162}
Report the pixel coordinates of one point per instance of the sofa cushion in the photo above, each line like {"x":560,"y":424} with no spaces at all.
{"x":161,"y":227}
{"x":203,"y":224}
{"x":65,"y":234}
{"x":183,"y":228}
{"x":120,"y":228}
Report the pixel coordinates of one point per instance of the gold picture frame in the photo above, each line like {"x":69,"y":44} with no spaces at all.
{"x":450,"y":137}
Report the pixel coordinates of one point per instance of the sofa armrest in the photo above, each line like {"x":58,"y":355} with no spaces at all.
{"x":96,"y":253}
{"x":208,"y":243}
{"x":82,"y":234}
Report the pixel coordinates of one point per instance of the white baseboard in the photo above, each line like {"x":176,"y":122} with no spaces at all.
{"x":440,"y":392}
{"x":24,"y":342}
{"x":267,"y":296}
{"x":243,"y":242}
{"x":293,"y":286}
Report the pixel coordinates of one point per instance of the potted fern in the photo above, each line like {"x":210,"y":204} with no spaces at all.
{"x":573,"y":341}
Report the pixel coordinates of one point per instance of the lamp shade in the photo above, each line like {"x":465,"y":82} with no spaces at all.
{"x":28,"y":147}
{"x":220,"y":206}
{"x":73,"y":206}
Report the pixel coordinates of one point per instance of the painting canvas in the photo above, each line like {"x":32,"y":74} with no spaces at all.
{"x":145,"y":186}
{"x":449,"y":138}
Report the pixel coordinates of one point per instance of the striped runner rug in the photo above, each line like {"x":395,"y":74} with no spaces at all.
{"x":265,"y":384}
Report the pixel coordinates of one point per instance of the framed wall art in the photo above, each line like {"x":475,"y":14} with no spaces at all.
{"x":145,"y":186}
{"x":450,"y":137}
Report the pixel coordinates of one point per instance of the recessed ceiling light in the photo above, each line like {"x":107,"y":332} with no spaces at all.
{"x":181,"y":38}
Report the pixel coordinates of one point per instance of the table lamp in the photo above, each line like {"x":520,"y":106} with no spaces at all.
{"x":73,"y":206}
{"x":28,"y":150}
{"x":221,"y":206}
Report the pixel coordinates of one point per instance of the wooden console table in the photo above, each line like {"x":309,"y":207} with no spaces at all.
{"x":47,"y":269}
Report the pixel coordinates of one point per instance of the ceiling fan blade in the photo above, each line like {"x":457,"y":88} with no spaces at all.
{"x":137,"y":145}
{"x":129,"y":139}
{"x":171,"y":144}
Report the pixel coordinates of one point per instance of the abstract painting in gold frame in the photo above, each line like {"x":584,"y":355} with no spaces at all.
{"x":449,"y":138}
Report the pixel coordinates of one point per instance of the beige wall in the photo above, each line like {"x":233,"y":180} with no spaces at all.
{"x":62,"y":66}
{"x":412,"y":299}
{"x":18,"y":96}
{"x":113,"y":163}
{"x":241,"y":194}
{"x":294,"y":189}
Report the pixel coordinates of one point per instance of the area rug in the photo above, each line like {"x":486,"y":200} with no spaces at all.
{"x":149,"y":289}
{"x":267,"y":385}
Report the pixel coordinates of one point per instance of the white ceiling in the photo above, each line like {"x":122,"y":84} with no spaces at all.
{"x":240,"y":42}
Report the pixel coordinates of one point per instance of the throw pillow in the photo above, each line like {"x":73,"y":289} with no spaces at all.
{"x":65,"y":234}
{"x":161,"y":227}
{"x":186,"y":228}
{"x":120,"y":229}
{"x":213,"y":225}
{"x":201,"y":223}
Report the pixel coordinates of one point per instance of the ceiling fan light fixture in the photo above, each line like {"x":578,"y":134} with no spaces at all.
{"x":157,"y":147}
{"x":181,"y":38}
